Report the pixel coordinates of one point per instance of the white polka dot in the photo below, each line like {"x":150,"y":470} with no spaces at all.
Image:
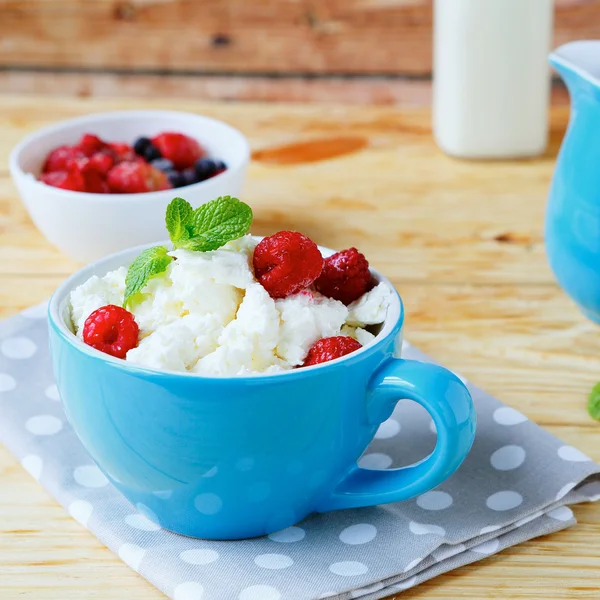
{"x":412,"y":564}
{"x":508,"y":416}
{"x":132,"y":555}
{"x":388,"y":429}
{"x":189,"y":590}
{"x":18,"y":348}
{"x":504,"y":500}
{"x":565,"y":489}
{"x":375,"y":460}
{"x":147,"y":512}
{"x":367,"y":590}
{"x":245,"y":464}
{"x":572,"y":454}
{"x":424,"y":529}
{"x":288,"y":536}
{"x":562,"y":513}
{"x":52,"y":392}
{"x":260,"y":592}
{"x":447,"y":550}
{"x":39,"y":311}
{"x":591,"y":490}
{"x":488,"y":547}
{"x":163,"y":494}
{"x":528,"y":519}
{"x":199,"y":556}
{"x":33,"y":465}
{"x":7,"y":383}
{"x":362,"y":533}
{"x":404,"y":585}
{"x":489,"y":529}
{"x":273,"y":561}
{"x":508,"y":458}
{"x":81,"y":511}
{"x":434,"y":500}
{"x":211,"y":472}
{"x":348,"y":568}
{"x":140,"y":522}
{"x":90,"y":476}
{"x":208,"y":504}
{"x":43,"y":425}
{"x":432,"y":426}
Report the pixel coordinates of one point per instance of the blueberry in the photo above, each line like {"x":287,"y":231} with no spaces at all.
{"x":189,"y":176}
{"x":220,"y":166}
{"x":175,"y":178}
{"x":141,"y":144}
{"x":151,"y":153}
{"x":205,"y":168}
{"x":162,"y":164}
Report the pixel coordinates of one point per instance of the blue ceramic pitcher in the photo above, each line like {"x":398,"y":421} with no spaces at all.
{"x":573,"y":214}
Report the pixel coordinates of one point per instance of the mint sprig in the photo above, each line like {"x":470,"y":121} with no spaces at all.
{"x":207,"y":228}
{"x":179,"y":215}
{"x":594,"y":402}
{"x":149,"y":263}
{"x":218,"y":222}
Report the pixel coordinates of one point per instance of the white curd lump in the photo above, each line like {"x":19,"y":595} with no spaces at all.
{"x":207,"y":314}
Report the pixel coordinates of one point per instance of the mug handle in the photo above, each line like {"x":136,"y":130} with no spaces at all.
{"x":450,"y":405}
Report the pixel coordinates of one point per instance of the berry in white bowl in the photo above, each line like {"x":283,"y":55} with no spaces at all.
{"x":87,"y":226}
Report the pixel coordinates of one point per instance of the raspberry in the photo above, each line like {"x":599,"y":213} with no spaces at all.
{"x":124,"y":152}
{"x":181,"y":150}
{"x":136,"y":177}
{"x":330,"y":348}
{"x":112,"y":330}
{"x":90,"y":144}
{"x":65,"y":180}
{"x":345,"y":277}
{"x":287,"y":262}
{"x":94,"y":180}
{"x":60,"y":158}
{"x":103,"y":161}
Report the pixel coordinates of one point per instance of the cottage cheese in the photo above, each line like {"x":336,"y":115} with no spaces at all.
{"x":306,"y":318}
{"x":207,"y":314}
{"x":370,"y":308}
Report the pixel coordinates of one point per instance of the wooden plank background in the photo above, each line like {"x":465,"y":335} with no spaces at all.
{"x":359,"y":51}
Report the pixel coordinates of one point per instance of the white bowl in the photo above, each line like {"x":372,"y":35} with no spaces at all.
{"x":89,"y":226}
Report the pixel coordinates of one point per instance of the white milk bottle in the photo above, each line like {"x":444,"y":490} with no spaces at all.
{"x":491,"y":77}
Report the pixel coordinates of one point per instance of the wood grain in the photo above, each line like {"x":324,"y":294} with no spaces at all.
{"x":236,"y":36}
{"x":381,"y":91}
{"x":463,"y":243}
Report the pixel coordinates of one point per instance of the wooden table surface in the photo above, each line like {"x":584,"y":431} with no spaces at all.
{"x":462,"y":241}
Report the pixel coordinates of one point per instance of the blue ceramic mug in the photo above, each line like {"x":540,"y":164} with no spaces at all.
{"x":238,"y":457}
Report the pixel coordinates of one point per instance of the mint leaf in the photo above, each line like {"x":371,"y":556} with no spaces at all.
{"x":218,"y":222}
{"x":594,"y":402}
{"x":149,"y":263}
{"x":178,"y":217}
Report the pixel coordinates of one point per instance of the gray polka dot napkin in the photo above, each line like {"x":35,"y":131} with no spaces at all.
{"x":514,"y":486}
